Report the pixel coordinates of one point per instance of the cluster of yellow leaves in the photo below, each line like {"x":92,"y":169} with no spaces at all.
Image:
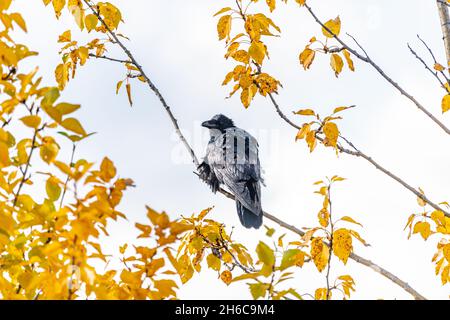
{"x":331,"y":29}
{"x":106,"y":18}
{"x":326,"y":130}
{"x":249,"y":51}
{"x":207,"y":238}
{"x":344,"y":284}
{"x":430,"y":223}
{"x":341,"y":240}
{"x":109,"y":13}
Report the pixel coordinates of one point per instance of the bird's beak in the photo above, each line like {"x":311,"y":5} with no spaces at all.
{"x":210,"y":124}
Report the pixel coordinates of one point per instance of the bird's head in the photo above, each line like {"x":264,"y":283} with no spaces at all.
{"x":219,"y":122}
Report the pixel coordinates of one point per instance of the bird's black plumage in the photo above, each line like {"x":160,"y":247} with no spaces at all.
{"x":232,"y":160}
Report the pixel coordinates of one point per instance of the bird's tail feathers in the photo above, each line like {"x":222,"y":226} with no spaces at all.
{"x":248,"y":218}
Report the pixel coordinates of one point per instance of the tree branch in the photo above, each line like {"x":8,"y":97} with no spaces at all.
{"x":367,"y":59}
{"x":445,"y":25}
{"x":109,"y":58}
{"x":283,"y":224}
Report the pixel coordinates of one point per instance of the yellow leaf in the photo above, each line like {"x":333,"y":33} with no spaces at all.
{"x":349,"y":219}
{"x":349,"y":60}
{"x":58,"y":5}
{"x":336,"y":64}
{"x":306,"y":112}
{"x":107,"y":170}
{"x":224,"y":27}
{"x":438,"y":67}
{"x":17,"y":18}
{"x":213,"y":262}
{"x":73,"y":125}
{"x":423,"y":228}
{"x":333,"y":25}
{"x":420,"y":201}
{"x":91,"y":22}
{"x":257,"y":51}
{"x":226,"y":277}
{"x":110,"y":13}
{"x":331,"y":131}
{"x":324,"y":217}
{"x":31,"y":121}
{"x":446,"y":103}
{"x":306,"y":58}
{"x":321,"y":294}
{"x":311,"y":140}
{"x":53,"y":189}
{"x":303,"y":132}
{"x":223,"y":10}
{"x":319,"y":253}
{"x":67,"y":108}
{"x":130,"y":99}
{"x":271,"y":4}
{"x":342,"y":244}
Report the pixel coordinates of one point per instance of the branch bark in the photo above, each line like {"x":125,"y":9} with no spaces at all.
{"x":365,"y":58}
{"x":445,"y":25}
{"x":274,"y":219}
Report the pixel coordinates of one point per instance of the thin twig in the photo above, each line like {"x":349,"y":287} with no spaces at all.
{"x":74,"y":146}
{"x":433,"y":56}
{"x":433,"y":72}
{"x":109,"y":58}
{"x":368,"y":60}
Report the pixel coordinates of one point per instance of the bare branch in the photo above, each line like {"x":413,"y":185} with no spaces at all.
{"x":368,"y":60}
{"x":445,"y":25}
{"x":434,"y":73}
{"x":109,"y":58}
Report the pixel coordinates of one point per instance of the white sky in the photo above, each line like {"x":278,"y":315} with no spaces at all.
{"x":176,"y":42}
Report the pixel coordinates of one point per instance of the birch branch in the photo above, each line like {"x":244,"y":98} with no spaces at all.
{"x":445,"y":25}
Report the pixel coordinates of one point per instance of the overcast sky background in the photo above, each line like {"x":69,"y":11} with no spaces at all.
{"x":176,"y":42}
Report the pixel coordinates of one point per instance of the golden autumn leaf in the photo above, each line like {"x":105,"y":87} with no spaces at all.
{"x":321,"y":294}
{"x":342,"y":244}
{"x":302,"y":133}
{"x":213,"y":262}
{"x":336,"y":63}
{"x":331,"y":132}
{"x":349,"y":60}
{"x":31,"y":121}
{"x":223,"y":10}
{"x":324,"y":217}
{"x":73,"y":125}
{"x":446,"y":103}
{"x":333,"y":25}
{"x":306,"y":112}
{"x":271,"y":4}
{"x":306,"y":58}
{"x":130,"y":99}
{"x":226,"y":277}
{"x":53,"y":189}
{"x":438,"y":67}
{"x":319,"y":253}
{"x":224,"y":27}
{"x":91,"y":22}
{"x":257,"y":51}
{"x":423,"y":228}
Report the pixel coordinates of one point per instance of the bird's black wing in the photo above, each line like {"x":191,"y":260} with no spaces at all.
{"x":233,"y":157}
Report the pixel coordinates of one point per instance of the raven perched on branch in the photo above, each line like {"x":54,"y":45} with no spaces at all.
{"x":232,"y":160}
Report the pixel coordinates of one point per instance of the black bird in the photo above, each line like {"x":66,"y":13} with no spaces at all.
{"x":232,"y":160}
